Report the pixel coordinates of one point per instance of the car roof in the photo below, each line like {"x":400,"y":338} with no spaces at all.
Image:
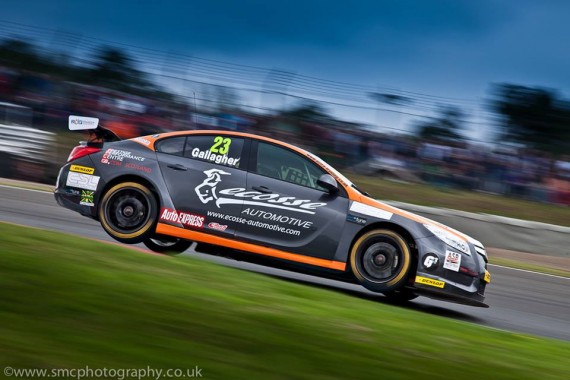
{"x":160,"y":136}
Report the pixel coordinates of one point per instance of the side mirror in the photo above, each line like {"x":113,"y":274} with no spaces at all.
{"x":328,"y":182}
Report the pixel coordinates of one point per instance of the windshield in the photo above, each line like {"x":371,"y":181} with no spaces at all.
{"x":331,"y":169}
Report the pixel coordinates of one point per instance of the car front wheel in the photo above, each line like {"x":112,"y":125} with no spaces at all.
{"x":381,"y":260}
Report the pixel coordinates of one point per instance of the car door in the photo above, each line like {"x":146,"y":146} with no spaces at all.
{"x":285,"y":208}
{"x":195,"y":169}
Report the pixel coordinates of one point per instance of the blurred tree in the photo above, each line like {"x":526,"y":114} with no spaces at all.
{"x":536,"y":117}
{"x":18,"y":53}
{"x":312,"y":112}
{"x":393,"y":99}
{"x":112,"y":68}
{"x":22,"y":55}
{"x":446,"y":126}
{"x":115,"y":69}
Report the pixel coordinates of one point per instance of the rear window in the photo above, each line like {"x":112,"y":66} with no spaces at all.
{"x":217,"y":149}
{"x":173,"y":145}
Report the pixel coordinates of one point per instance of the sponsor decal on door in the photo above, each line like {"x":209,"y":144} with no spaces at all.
{"x":207,"y":192}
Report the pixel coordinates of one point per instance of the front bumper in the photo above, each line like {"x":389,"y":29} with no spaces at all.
{"x":462,"y":281}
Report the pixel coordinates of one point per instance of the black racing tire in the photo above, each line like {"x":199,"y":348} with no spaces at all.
{"x":381,"y":260}
{"x":128,"y":212}
{"x":401,"y":296}
{"x":167,"y":245}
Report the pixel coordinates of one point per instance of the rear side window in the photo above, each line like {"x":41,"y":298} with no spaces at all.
{"x":173,"y":145}
{"x":217,"y":149}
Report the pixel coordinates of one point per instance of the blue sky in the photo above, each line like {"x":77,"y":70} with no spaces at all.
{"x":444,"y":48}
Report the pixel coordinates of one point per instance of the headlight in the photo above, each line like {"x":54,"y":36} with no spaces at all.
{"x":449,"y":239}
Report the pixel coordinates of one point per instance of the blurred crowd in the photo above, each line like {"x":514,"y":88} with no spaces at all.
{"x":507,"y":170}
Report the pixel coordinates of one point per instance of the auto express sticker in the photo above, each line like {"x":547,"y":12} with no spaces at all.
{"x":86,"y":198}
{"x":430,"y":262}
{"x":82,"y":181}
{"x":185,"y":218}
{"x":452,"y":261}
{"x":207,"y":192}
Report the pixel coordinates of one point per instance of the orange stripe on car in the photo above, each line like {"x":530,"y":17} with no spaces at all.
{"x":409,"y":215}
{"x":167,"y":229}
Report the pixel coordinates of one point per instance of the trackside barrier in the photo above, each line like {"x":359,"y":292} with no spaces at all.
{"x":499,"y":231}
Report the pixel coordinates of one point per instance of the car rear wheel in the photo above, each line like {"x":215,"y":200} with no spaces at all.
{"x":128,"y":212}
{"x":167,"y":245}
{"x":381,"y":260}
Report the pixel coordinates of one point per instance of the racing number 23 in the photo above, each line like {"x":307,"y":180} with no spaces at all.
{"x":221,"y":145}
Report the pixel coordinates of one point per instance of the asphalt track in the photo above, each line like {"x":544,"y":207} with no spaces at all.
{"x":520,"y":301}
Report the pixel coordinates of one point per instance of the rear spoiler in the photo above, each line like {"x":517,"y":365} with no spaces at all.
{"x":97,"y":134}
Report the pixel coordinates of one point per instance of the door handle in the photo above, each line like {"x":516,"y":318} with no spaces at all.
{"x":262,"y":189}
{"x":177,"y":167}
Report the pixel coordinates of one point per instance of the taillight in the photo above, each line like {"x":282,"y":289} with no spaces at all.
{"x":81,"y":151}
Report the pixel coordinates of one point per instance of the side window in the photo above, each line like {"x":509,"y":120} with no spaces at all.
{"x":217,"y":149}
{"x":283,"y":164}
{"x":173,"y":145}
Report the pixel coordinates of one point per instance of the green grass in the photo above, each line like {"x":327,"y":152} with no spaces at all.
{"x":70,"y":302}
{"x":470,"y":201}
{"x":529,"y":266}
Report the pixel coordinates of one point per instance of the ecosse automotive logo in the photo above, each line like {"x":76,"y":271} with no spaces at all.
{"x":207,"y":192}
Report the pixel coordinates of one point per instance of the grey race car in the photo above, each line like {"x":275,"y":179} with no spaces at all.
{"x":265,"y":201}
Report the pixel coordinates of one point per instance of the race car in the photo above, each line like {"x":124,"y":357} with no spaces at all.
{"x":265,"y":201}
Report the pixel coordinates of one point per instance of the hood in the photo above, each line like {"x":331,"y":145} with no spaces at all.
{"x":417,"y":218}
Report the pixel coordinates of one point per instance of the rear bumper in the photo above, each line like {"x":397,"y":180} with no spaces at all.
{"x":70,"y":197}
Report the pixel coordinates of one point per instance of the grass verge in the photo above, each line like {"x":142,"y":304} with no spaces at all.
{"x":426,"y":195}
{"x":70,"y":302}
{"x":528,"y":266}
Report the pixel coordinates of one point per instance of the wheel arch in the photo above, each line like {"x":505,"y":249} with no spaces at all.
{"x":404,"y":232}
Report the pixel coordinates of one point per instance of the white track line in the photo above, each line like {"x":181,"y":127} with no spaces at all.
{"x":529,"y":271}
{"x":23,"y":188}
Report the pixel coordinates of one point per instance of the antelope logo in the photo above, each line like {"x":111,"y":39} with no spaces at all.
{"x":207,"y":189}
